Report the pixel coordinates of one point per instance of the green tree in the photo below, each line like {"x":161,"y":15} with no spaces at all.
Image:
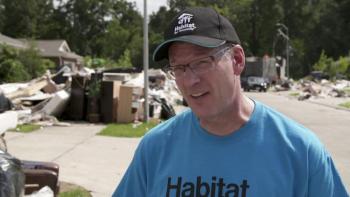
{"x":107,"y":28}
{"x":114,"y":40}
{"x":2,"y":16}
{"x":125,"y":60}
{"x":102,"y":28}
{"x":313,"y":26}
{"x":22,"y":19}
{"x":124,"y":31}
{"x":86,"y":19}
{"x":56,"y":25}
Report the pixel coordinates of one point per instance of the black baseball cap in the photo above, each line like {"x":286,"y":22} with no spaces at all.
{"x":200,"y":26}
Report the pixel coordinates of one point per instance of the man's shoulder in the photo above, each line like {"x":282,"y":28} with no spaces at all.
{"x":291,"y":137}
{"x":289,"y":129}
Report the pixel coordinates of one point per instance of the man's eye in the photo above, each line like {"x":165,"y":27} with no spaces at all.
{"x":178,"y":68}
{"x":202,"y":64}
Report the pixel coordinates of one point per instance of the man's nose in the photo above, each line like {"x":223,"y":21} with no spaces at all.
{"x":190,"y":77}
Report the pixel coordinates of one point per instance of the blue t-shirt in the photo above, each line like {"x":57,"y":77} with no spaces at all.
{"x":269,"y":156}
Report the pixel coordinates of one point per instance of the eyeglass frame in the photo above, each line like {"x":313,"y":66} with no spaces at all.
{"x":217,"y":54}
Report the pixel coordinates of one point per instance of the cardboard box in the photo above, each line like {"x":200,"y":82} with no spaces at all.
{"x":124,"y":111}
{"x":128,"y":103}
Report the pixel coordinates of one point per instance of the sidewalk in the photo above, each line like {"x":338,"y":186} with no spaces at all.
{"x":96,"y":163}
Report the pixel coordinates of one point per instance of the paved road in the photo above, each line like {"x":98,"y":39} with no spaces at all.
{"x":98,"y":163}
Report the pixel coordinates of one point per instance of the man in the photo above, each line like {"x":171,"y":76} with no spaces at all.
{"x":226,"y":145}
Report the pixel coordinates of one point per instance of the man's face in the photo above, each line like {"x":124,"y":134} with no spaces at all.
{"x":213,"y":93}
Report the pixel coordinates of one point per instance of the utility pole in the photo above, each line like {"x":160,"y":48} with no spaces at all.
{"x":145,"y":60}
{"x":285,"y":36}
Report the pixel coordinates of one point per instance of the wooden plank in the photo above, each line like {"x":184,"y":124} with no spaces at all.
{"x":30,"y":90}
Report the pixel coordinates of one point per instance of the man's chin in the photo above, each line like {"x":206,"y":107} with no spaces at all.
{"x":202,"y":113}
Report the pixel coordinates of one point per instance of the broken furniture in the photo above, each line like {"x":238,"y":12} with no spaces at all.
{"x":40,"y":174}
{"x":76,"y":108}
{"x":109,"y":100}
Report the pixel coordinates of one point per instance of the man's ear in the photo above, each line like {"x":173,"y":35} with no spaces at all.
{"x":238,"y":59}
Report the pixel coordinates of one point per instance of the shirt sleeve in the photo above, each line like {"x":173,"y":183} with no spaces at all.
{"x":134,"y":181}
{"x":324,"y":180}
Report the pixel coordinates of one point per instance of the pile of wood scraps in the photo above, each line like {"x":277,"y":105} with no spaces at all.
{"x":39,"y":101}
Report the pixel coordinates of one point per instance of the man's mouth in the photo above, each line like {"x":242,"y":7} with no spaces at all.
{"x":198,"y":95}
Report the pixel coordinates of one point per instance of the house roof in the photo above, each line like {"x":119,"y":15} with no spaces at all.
{"x":55,"y":48}
{"x":52,"y":45}
{"x":47,"y":48}
{"x":12,"y":42}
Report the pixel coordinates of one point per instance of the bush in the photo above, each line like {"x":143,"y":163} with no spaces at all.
{"x":123,"y":62}
{"x":21,"y":65}
{"x":94,"y":62}
{"x":12,"y":70}
{"x":34,"y":64}
{"x":324,"y":63}
{"x":341,"y":67}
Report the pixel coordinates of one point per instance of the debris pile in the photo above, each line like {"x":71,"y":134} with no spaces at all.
{"x":89,"y":95}
{"x":323,"y":89}
{"x":37,"y":101}
{"x":163,"y":93}
{"x":306,"y":89}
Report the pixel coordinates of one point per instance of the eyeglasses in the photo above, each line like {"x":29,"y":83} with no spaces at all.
{"x":199,"y":66}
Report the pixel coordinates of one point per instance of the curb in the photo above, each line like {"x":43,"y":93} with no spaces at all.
{"x":327,"y":105}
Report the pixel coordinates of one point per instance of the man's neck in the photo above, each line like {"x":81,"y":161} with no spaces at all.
{"x":230,"y":122}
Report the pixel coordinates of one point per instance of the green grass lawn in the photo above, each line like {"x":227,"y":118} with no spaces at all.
{"x":346,"y":104}
{"x":75,"y":193}
{"x":347,"y":90}
{"x":26,"y":128}
{"x":127,"y":130}
{"x":294,"y":94}
{"x":72,"y":190}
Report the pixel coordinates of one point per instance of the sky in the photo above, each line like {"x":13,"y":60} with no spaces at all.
{"x":153,"y":5}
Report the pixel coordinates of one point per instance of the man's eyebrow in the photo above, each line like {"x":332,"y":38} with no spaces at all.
{"x":178,"y":65}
